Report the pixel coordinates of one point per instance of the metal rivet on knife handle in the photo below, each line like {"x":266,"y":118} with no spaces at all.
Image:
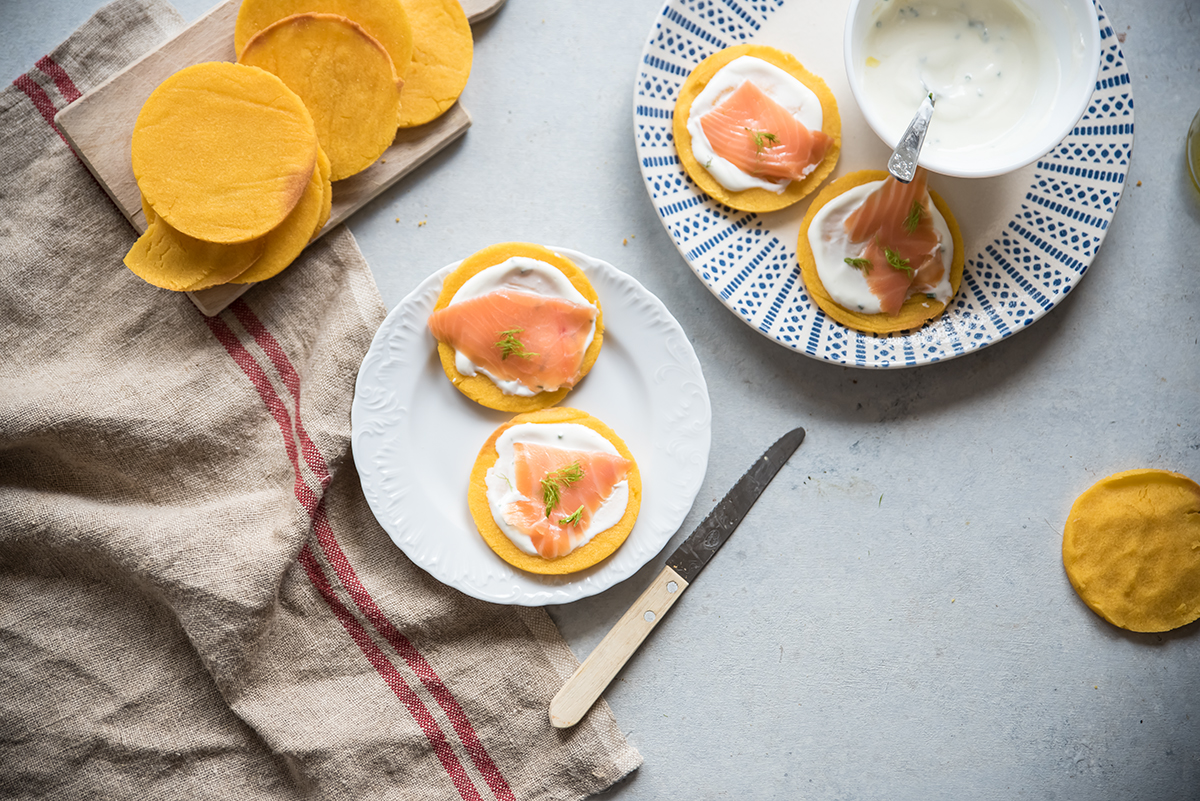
{"x":602,"y":665}
{"x":589,"y":680}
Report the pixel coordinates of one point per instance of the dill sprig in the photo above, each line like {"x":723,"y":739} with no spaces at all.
{"x":573,"y":519}
{"x":914,"y":217}
{"x":894,"y":261}
{"x":863,"y":265}
{"x":760,"y":137}
{"x":554,"y":482}
{"x":509,"y":345}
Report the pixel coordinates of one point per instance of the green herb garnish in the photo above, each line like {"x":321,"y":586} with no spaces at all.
{"x":894,"y":261}
{"x":914,"y":217}
{"x":554,"y":482}
{"x":762,"y":136}
{"x":573,"y":519}
{"x":509,"y":345}
{"x":859,"y":264}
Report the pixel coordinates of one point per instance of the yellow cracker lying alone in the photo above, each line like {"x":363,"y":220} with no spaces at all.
{"x":169,"y":259}
{"x":587,"y":468}
{"x":286,"y":241}
{"x":385,"y":20}
{"x":345,"y":78}
{"x":1131,"y":549}
{"x":508,"y":337}
{"x":755,"y":198}
{"x":441,"y":63}
{"x":913,"y":312}
{"x":223,"y":151}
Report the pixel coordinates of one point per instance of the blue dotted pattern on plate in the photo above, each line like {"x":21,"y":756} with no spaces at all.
{"x":1045,"y":249}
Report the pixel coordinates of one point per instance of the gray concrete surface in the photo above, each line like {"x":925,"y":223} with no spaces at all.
{"x":892,"y":620}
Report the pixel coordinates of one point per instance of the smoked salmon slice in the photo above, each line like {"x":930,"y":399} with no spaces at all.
{"x":561,"y":489}
{"x":760,"y":137}
{"x":902,"y":247}
{"x":519,"y":336}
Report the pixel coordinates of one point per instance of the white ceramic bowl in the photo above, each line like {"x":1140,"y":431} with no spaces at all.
{"x":1073,"y":36}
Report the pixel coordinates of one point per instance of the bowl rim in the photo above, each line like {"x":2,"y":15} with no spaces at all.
{"x":1092,"y":55}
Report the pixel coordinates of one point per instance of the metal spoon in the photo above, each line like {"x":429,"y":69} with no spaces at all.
{"x":903,"y":163}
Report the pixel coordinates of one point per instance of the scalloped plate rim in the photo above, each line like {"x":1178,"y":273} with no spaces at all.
{"x":653,"y":537}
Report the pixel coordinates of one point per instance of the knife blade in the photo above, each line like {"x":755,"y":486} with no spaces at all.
{"x":591,"y":678}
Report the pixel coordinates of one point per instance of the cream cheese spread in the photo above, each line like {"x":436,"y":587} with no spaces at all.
{"x":800,"y":101}
{"x":831,"y":246}
{"x":518,"y":274}
{"x":501,"y":486}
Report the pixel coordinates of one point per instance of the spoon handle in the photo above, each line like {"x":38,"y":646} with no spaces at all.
{"x":903,"y":163}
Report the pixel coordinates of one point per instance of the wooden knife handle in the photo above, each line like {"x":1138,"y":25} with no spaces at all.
{"x":589,"y":680}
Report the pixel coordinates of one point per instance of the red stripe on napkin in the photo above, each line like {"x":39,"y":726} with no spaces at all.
{"x":41,"y":101}
{"x":271,"y":347}
{"x":66,"y":87}
{"x":316,"y":510}
{"x":350,"y":581}
{"x":270,"y":399}
{"x":416,"y":661}
{"x":391,"y":677}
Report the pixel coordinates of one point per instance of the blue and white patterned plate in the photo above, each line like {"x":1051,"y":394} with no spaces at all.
{"x":1030,"y":235}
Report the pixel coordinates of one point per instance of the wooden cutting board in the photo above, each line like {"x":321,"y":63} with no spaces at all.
{"x":99,"y":127}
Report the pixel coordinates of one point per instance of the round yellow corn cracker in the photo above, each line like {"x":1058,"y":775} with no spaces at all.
{"x":1131,"y":549}
{"x":345,"y":78}
{"x":169,"y":259}
{"x":755,"y":199}
{"x":443,"y":48}
{"x":917,"y":310}
{"x":286,"y":241}
{"x":223,"y":151}
{"x":385,"y":20}
{"x":326,"y":194}
{"x":602,"y":545}
{"x":479,"y":387}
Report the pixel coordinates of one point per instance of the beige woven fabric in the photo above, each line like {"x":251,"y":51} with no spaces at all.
{"x":195,"y":601}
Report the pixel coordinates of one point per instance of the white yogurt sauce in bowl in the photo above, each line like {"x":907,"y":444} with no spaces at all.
{"x":1010,"y":78}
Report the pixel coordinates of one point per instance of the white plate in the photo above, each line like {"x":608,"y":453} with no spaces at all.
{"x":1030,"y":235}
{"x":415,"y":439}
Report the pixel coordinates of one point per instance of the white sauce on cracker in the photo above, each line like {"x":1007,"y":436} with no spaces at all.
{"x":501,"y":489}
{"x":518,"y":274}
{"x":831,"y":246}
{"x":780,"y":86}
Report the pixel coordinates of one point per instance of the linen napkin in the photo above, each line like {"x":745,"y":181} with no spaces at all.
{"x":195,"y":600}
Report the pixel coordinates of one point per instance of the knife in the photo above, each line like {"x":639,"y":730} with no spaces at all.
{"x":589,"y":680}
